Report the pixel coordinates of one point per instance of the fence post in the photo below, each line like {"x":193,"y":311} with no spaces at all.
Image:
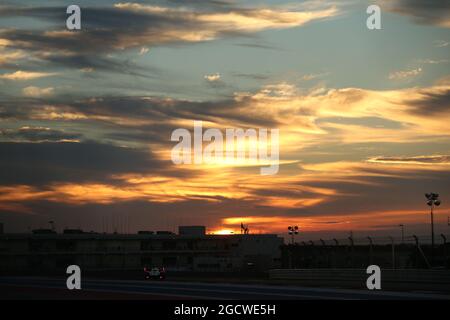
{"x":351,"y":250}
{"x":370,"y":249}
{"x":290,"y":253}
{"x":335,"y":252}
{"x":444,"y":248}
{"x":419,"y":249}
{"x":393,"y":252}
{"x":327,"y":252}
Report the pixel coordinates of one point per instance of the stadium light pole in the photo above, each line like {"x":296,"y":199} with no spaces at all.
{"x":403,"y":231}
{"x":293,"y":231}
{"x":432,"y":201}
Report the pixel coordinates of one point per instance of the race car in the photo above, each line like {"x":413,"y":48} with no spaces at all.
{"x":155,"y":273}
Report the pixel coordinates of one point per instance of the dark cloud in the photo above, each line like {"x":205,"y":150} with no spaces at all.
{"x":252,"y":76}
{"x":163,"y":109}
{"x":202,"y":3}
{"x":371,"y":122}
{"x":417,"y":159}
{"x":433,"y":12}
{"x":258,"y":46}
{"x":156,"y":133}
{"x":132,"y":25}
{"x":156,"y":109}
{"x":47,"y":162}
{"x":104,"y":30}
{"x":431,"y":103}
{"x":101,"y":63}
{"x":327,"y":222}
{"x":291,"y":193}
{"x":375,"y":190}
{"x":37,"y":134}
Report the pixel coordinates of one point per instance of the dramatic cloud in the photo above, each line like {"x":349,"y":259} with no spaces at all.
{"x":37,"y":134}
{"x":313,"y":196}
{"x":434,"y":12}
{"x":305,"y":117}
{"x":49,"y":162}
{"x":430,"y":103}
{"x":134,"y":25}
{"x":357,"y":151}
{"x":306,"y":121}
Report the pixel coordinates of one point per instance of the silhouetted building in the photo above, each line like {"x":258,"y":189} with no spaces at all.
{"x":184,"y":252}
{"x":73,"y":231}
{"x":145,"y":232}
{"x":43,"y":231}
{"x":192,"y":230}
{"x":164,"y":232}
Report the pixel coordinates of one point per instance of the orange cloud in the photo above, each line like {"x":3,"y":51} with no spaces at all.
{"x":336,"y":222}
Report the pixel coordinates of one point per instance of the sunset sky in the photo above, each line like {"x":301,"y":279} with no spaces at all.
{"x":86,"y":116}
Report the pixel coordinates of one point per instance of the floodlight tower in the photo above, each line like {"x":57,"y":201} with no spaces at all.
{"x":432,"y":201}
{"x":52,"y":225}
{"x":402,"y":226}
{"x":293,"y":230}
